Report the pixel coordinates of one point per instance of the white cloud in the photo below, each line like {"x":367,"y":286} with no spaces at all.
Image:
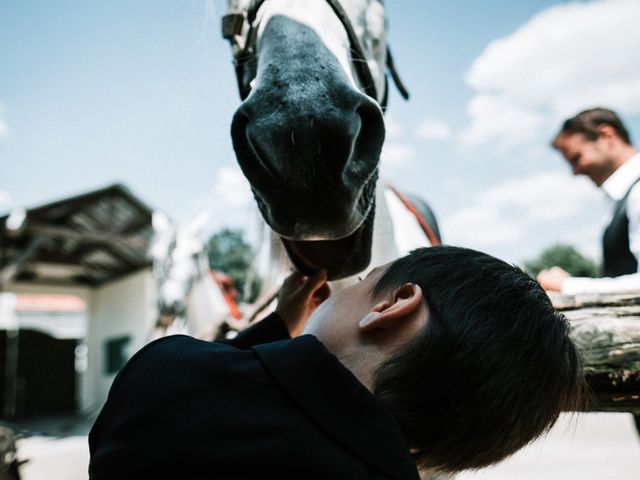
{"x":210,"y":20}
{"x":396,"y":155}
{"x":231,"y":189}
{"x":586,"y":239}
{"x":564,"y":59}
{"x":4,"y":127}
{"x":433,"y":129}
{"x":542,"y":208}
{"x":5,"y":199}
{"x":228,"y":203}
{"x":501,"y":121}
{"x":393,"y":128}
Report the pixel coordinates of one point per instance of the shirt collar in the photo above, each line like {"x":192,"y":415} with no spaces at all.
{"x":620,"y":181}
{"x":339,"y":404}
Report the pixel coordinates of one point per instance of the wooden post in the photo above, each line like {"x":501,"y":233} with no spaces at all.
{"x":8,"y":273}
{"x":606,"y":330}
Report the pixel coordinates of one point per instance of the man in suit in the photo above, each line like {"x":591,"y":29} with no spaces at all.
{"x":597,"y":144}
{"x":435,"y":361}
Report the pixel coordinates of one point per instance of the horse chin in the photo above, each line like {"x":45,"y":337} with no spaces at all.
{"x":340,"y":258}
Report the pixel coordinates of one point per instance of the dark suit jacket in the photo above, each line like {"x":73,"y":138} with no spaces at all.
{"x":187,"y":409}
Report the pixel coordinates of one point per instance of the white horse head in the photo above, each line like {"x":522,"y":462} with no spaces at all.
{"x":188,"y":299}
{"x":176,"y":253}
{"x":309,"y":133}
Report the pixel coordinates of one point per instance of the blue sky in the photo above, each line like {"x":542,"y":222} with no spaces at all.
{"x":143,"y":92}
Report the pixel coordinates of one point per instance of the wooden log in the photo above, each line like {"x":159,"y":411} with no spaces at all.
{"x":606,"y":330}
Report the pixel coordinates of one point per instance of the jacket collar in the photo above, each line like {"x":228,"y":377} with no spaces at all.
{"x":333,"y":397}
{"x":620,"y":181}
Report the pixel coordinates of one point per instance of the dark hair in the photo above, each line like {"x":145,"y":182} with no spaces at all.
{"x":588,"y":121}
{"x":492,"y":369}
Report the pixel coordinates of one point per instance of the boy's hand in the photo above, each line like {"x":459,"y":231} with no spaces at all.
{"x":299,"y":297}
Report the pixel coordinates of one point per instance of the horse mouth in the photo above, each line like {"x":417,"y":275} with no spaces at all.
{"x":340,"y":258}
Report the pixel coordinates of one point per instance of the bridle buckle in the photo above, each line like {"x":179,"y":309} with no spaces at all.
{"x":232,"y":25}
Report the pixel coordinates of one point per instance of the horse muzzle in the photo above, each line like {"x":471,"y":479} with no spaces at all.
{"x":309,"y":142}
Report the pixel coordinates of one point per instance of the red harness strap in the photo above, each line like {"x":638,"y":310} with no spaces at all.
{"x":428,"y":231}
{"x":221,"y":279}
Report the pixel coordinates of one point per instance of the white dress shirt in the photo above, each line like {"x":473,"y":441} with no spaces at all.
{"x":615,"y":187}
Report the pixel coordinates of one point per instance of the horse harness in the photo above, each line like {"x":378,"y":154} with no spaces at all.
{"x":241,"y":28}
{"x":429,"y":232}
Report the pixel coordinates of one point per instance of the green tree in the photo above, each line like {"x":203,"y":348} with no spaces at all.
{"x":228,"y":252}
{"x":566,"y":257}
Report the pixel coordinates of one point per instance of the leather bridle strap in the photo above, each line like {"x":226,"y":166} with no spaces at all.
{"x":240,"y":29}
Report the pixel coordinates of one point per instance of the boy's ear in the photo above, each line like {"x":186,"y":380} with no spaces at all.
{"x":405,"y":301}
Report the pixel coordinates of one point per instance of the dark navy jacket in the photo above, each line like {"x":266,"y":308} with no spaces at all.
{"x":188,"y":409}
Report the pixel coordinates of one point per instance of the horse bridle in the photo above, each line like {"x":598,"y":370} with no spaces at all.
{"x":241,"y":28}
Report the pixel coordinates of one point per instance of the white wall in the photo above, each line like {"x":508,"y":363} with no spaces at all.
{"x":122,"y":308}
{"x":125,"y":307}
{"x":8,"y":319}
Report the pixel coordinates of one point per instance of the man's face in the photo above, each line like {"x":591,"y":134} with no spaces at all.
{"x":586,"y":157}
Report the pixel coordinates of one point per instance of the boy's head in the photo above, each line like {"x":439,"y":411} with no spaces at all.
{"x":465,"y":350}
{"x":493,"y":367}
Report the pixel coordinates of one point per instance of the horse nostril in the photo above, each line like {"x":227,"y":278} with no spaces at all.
{"x":372,"y":120}
{"x":239,"y":133}
{"x":368,"y":142}
{"x":247,"y":144}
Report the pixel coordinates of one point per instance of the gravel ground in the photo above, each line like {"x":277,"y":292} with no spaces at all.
{"x":595,"y":446}
{"x":53,"y":458}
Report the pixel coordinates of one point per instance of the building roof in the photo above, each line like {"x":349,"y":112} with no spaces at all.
{"x":88,"y":239}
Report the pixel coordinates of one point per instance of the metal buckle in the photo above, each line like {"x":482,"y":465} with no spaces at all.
{"x":232,"y":25}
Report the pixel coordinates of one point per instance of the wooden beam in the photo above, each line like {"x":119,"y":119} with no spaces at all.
{"x":606,"y":330}
{"x":93,"y":237}
{"x":57,"y":270}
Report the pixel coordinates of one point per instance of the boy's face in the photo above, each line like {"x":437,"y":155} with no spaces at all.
{"x":344,"y":309}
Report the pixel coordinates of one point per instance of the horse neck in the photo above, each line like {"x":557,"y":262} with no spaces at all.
{"x":270,"y":264}
{"x":383,"y":244}
{"x":407,"y":232}
{"x":383,"y":247}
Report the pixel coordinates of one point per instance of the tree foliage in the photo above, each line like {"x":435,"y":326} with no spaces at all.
{"x":228,"y":252}
{"x":566,"y":257}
